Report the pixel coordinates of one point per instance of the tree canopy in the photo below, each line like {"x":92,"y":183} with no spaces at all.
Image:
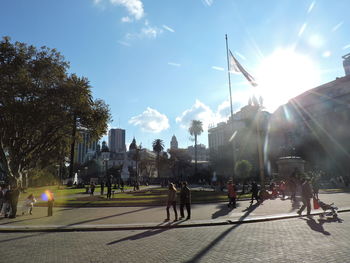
{"x":243,"y":169}
{"x":38,"y":102}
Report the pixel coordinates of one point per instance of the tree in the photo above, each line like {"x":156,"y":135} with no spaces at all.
{"x":40,"y":106}
{"x":243,"y":169}
{"x":195,"y":129}
{"x":158,"y":147}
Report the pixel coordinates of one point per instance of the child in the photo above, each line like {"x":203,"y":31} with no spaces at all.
{"x":28,"y":204}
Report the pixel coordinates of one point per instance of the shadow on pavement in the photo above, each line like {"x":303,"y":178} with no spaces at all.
{"x":145,"y":234}
{"x":205,"y":250}
{"x":318,"y":226}
{"x":223,"y":210}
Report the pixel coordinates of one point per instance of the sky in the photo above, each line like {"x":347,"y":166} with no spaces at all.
{"x":161,"y":63}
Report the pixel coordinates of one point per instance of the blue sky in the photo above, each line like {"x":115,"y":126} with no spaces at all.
{"x":161,"y":63}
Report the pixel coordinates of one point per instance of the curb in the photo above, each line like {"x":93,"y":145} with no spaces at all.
{"x":149,"y":226}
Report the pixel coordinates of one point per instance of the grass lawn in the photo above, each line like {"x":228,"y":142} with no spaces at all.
{"x":156,"y":196}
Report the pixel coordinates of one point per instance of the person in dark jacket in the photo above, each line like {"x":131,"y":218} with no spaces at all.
{"x":185,"y":200}
{"x":255,"y":192}
{"x":306,"y":195}
{"x":14,"y":201}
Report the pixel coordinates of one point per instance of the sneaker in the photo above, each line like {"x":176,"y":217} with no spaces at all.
{"x":299,"y":213}
{"x":175,"y":219}
{"x":166,"y":219}
{"x":188,"y":218}
{"x":181,"y":218}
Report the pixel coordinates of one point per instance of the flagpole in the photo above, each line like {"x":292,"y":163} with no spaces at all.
{"x":229,"y":77}
{"x":229,"y":85}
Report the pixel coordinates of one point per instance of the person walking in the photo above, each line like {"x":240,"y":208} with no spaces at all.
{"x":122,"y":185}
{"x":283,"y":189}
{"x":185,"y":200}
{"x":6,"y":201}
{"x":28,"y":205}
{"x":231,"y":193}
{"x":92,"y":188}
{"x":109,"y":189}
{"x":255,"y":192}
{"x":102,"y":187}
{"x":171,"y":201}
{"x":306,"y":195}
{"x":50,"y":201}
{"x":14,"y":201}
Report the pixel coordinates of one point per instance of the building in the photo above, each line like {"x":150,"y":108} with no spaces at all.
{"x":173,"y":143}
{"x":85,"y":149}
{"x":202,"y":152}
{"x":237,"y":138}
{"x":315,"y":126}
{"x":116,"y":140}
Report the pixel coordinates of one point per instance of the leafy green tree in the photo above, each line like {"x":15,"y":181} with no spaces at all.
{"x":158,"y":147}
{"x":41,"y":107}
{"x":195,"y":129}
{"x":243,"y":169}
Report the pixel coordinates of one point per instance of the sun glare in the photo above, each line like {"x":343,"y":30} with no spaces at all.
{"x":283,"y":75}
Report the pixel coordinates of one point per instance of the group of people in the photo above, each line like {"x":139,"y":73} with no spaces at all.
{"x":185,"y":201}
{"x":8,"y":200}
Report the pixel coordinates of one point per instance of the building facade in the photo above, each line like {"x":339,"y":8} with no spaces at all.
{"x":173,"y":143}
{"x":85,"y":149}
{"x":315,"y":126}
{"x":116,"y":140}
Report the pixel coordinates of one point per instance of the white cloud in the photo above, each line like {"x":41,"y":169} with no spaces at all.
{"x":174,"y":64}
{"x":199,"y":111}
{"x":148,"y":31}
{"x":134,"y":7}
{"x":124,"y":43}
{"x":302,"y":29}
{"x":316,"y":41}
{"x":207,"y":2}
{"x":337,"y":26}
{"x":126,"y":19}
{"x":218,"y":68}
{"x":202,"y":112}
{"x":240,"y":55}
{"x":326,"y":54}
{"x":346,"y":47}
{"x":168,"y":28}
{"x":151,"y":121}
{"x":312,"y":5}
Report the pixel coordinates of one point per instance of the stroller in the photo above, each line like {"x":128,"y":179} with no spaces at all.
{"x":328,"y":209}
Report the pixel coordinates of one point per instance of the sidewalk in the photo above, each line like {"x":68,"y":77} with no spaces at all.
{"x":120,"y":218}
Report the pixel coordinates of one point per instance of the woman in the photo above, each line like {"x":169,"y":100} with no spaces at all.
{"x":28,"y":204}
{"x":171,"y":201}
{"x":231,"y":193}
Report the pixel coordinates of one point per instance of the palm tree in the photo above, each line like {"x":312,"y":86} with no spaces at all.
{"x":158,"y":146}
{"x":195,"y":129}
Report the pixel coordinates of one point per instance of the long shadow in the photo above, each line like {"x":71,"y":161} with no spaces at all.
{"x":205,"y":250}
{"x":105,"y":217}
{"x":223,"y":210}
{"x":145,"y":234}
{"x":318,"y":227}
{"x":81,"y":222}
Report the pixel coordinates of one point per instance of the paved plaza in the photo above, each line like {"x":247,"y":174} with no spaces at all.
{"x":293,"y":239}
{"x":290,"y":240}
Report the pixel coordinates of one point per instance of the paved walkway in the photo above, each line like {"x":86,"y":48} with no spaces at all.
{"x":153,"y":216}
{"x":283,"y":241}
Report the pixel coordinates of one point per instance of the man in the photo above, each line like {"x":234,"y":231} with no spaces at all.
{"x":14,"y":201}
{"x":306,"y":195}
{"x":255,"y":191}
{"x":185,"y":200}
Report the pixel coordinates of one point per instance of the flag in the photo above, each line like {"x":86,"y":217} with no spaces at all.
{"x":236,"y":67}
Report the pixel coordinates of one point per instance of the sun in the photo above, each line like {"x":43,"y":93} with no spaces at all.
{"x":283,"y":75}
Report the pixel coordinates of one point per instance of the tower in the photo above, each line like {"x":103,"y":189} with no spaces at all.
{"x":116,"y":140}
{"x":173,"y":143}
